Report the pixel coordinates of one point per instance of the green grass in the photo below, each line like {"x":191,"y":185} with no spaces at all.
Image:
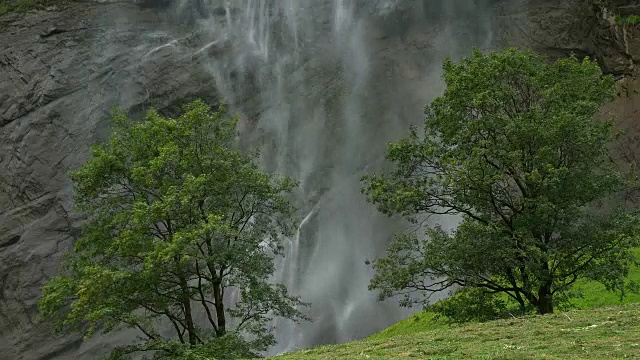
{"x":600,"y":333}
{"x":609,"y":329}
{"x":595,"y":294}
{"x":416,"y":323}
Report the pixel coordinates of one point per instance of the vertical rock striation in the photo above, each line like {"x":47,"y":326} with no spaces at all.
{"x":61,"y":70}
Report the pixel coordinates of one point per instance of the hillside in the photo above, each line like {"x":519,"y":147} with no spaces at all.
{"x":604,"y":326}
{"x":593,"y":294}
{"x":599,"y":333}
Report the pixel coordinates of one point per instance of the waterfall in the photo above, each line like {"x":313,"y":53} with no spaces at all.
{"x":321,"y":86}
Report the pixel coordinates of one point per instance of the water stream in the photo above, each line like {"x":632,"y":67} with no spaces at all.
{"x":322,"y":86}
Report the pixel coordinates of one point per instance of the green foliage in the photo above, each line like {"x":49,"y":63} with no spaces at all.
{"x":472,"y":304}
{"x":226,"y":347}
{"x":513,"y":149}
{"x":628,"y":20}
{"x":588,"y":294}
{"x":22,"y":6}
{"x":229,"y":346}
{"x":176,"y":220}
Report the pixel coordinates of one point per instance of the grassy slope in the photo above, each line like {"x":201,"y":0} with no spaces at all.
{"x":600,"y":333}
{"x":594,"y":295}
{"x":422,"y":335}
{"x":416,"y":323}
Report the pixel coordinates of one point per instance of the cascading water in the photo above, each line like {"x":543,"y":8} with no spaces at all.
{"x":322,"y":86}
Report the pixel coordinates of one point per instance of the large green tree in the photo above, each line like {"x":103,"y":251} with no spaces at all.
{"x":177,"y":220}
{"x":512,"y":149}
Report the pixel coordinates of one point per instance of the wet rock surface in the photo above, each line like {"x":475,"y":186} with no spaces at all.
{"x":581,"y":27}
{"x":61,"y":70}
{"x":588,"y":28}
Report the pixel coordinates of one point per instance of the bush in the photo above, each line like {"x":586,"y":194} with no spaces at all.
{"x":474,"y":304}
{"x":628,"y":20}
{"x":228,"y":347}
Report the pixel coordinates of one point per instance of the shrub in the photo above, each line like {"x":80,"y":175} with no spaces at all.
{"x":628,"y":20}
{"x":472,"y":304}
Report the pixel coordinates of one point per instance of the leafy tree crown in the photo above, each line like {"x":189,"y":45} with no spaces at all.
{"x":177,"y":219}
{"x":513,"y":150}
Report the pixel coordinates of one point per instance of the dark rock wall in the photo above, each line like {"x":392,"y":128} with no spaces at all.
{"x":61,"y":70}
{"x":582,"y":27}
{"x":587,"y":28}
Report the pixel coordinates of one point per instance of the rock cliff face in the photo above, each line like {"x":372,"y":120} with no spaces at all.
{"x":581,"y":27}
{"x":588,"y":28}
{"x":61,"y":69}
{"x":60,"y":72}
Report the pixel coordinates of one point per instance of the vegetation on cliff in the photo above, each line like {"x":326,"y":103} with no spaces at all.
{"x":628,"y":20}
{"x":7,"y":6}
{"x":514,"y":150}
{"x":181,"y":229}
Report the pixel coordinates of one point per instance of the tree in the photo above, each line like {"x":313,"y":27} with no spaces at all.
{"x":177,"y":221}
{"x":512,"y":149}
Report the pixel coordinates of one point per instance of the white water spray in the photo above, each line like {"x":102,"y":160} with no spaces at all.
{"x":322,"y":86}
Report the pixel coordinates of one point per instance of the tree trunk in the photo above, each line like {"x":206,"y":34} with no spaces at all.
{"x":545,"y":300}
{"x":188,"y":316}
{"x":219,"y":304}
{"x":523,"y":305}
